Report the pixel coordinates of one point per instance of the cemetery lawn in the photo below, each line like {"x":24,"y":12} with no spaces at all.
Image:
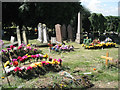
{"x":82,"y":60}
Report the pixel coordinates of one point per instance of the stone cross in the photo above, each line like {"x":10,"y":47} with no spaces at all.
{"x":70,"y":32}
{"x":79,"y":35}
{"x":24,"y":35}
{"x":44,"y":34}
{"x":12,"y":40}
{"x":40,"y":33}
{"x":18,"y":36}
{"x":64,"y":32}
{"x":58,"y":32}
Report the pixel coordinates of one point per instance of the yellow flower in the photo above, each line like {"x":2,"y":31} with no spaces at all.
{"x":53,"y":63}
{"x":33,"y":65}
{"x":45,"y":56}
{"x":56,"y":62}
{"x":40,"y":65}
{"x":28,"y":45}
{"x":2,"y":77}
{"x":26,"y":54}
{"x":29,"y":56}
{"x":5,"y":65}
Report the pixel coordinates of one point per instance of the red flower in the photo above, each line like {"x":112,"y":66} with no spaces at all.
{"x":15,"y":63}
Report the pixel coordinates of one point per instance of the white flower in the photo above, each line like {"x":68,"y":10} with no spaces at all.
{"x":15,"y":48}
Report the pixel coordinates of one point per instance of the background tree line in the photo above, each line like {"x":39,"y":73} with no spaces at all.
{"x":30,"y":14}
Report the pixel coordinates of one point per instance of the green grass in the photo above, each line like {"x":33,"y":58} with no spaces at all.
{"x":81,"y":59}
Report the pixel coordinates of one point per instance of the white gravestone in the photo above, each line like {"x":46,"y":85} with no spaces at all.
{"x":44,"y":34}
{"x":12,"y":40}
{"x":40,"y":33}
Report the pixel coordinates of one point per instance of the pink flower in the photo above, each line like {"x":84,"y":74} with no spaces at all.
{"x":8,"y":49}
{"x":37,"y":55}
{"x":59,"y":60}
{"x":14,"y":60}
{"x":11,"y":63}
{"x":29,"y":47}
{"x":17,"y":69}
{"x":19,"y":57}
{"x":29,"y":68}
{"x":47,"y":63}
{"x":19,"y":47}
{"x":3,"y":50}
{"x":43,"y":62}
{"x":12,"y":46}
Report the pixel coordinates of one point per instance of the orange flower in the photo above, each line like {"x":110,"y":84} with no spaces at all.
{"x":15,"y":63}
{"x":94,"y":69}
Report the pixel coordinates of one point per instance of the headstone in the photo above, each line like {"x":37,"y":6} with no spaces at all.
{"x":44,"y":34}
{"x":24,"y":35}
{"x":40,"y":33}
{"x":12,"y":40}
{"x":18,"y":36}
{"x":79,"y":35}
{"x":58,"y":32}
{"x":64,"y":32}
{"x":70,"y":32}
{"x":53,"y":39}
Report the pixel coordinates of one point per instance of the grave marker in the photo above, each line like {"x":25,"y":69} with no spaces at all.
{"x":18,"y":36}
{"x":70,"y":32}
{"x":64,"y":32}
{"x":58,"y":32}
{"x":44,"y":34}
{"x":79,"y":35}
{"x":40,"y":33}
{"x":107,"y":58}
{"x":12,"y":40}
{"x":24,"y":36}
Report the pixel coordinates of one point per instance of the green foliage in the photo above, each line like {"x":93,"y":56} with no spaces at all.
{"x":30,"y":14}
{"x":97,"y":22}
{"x":113,"y":23}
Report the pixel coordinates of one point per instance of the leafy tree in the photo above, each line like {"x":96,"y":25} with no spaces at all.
{"x":101,"y":21}
{"x":94,"y":21}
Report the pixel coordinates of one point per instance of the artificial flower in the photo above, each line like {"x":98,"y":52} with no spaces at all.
{"x":7,"y":63}
{"x":17,"y":69}
{"x":29,"y":68}
{"x":12,"y":46}
{"x":94,"y":69}
{"x":14,"y":60}
{"x":15,"y":63}
{"x":19,"y":47}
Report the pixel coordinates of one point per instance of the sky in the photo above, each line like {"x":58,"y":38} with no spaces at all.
{"x":106,"y":7}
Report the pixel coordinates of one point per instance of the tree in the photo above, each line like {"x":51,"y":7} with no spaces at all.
{"x":101,"y":21}
{"x":94,"y":21}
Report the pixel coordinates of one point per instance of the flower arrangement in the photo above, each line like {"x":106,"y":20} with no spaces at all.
{"x":59,"y":48}
{"x":97,"y":44}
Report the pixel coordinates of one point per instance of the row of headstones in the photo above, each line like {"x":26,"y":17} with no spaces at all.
{"x":61,"y":33}
{"x":25,"y":41}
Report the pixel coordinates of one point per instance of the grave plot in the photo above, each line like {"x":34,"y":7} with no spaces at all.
{"x":61,"y":48}
{"x":26,"y":62}
{"x":96,"y":44}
